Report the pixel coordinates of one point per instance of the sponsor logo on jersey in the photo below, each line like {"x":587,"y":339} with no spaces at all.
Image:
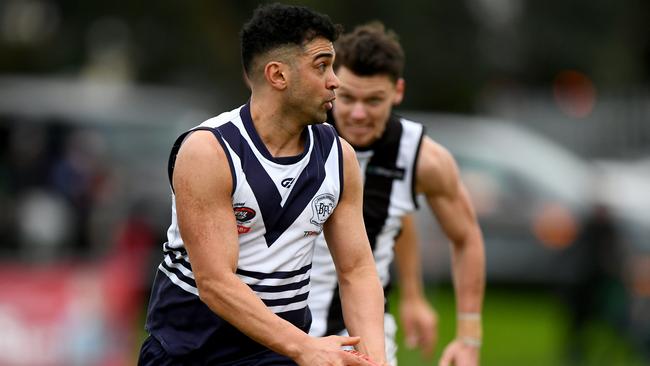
{"x":244,"y":214}
{"x":287,"y":182}
{"x":394,"y":173}
{"x":241,"y":229}
{"x":322,"y":207}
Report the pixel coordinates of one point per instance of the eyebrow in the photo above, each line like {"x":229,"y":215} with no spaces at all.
{"x":325,"y":54}
{"x":371,"y":93}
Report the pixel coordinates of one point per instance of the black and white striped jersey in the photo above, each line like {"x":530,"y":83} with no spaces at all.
{"x":280,"y":205}
{"x":389,"y":194}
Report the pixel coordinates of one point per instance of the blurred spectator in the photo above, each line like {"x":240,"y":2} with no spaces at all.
{"x":79,"y":175}
{"x":598,"y":294}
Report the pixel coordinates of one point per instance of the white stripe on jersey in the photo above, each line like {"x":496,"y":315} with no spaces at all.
{"x":177,"y":281}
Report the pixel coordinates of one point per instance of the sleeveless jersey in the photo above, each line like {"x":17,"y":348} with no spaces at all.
{"x":389,"y":194}
{"x":280,"y":206}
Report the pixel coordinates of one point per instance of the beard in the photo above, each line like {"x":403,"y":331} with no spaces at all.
{"x":305,"y":107}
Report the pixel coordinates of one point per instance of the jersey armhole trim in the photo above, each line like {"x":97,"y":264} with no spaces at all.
{"x":177,"y":145}
{"x":341,"y":168}
{"x":414,"y":173}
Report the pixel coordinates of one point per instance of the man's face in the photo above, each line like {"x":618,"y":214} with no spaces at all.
{"x":313,"y":81}
{"x":364,"y":104}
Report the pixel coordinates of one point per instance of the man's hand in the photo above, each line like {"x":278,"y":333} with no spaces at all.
{"x":328,"y":351}
{"x":420,"y":323}
{"x":458,"y":353}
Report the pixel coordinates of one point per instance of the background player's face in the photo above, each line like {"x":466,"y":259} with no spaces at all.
{"x":313,"y":81}
{"x":364,"y":104}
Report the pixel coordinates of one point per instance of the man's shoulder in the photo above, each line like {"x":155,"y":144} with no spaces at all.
{"x":222,"y":118}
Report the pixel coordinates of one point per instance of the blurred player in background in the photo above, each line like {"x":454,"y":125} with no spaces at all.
{"x":399,"y":162}
{"x":252,"y":190}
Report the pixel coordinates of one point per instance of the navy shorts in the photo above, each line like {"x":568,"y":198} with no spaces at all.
{"x":153,"y":354}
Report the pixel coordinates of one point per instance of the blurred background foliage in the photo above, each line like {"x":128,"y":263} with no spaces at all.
{"x":456,"y":50}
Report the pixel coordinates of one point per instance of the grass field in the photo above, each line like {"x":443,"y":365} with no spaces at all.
{"x":523,"y":327}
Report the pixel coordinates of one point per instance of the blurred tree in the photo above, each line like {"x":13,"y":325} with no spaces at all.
{"x":455,"y":50}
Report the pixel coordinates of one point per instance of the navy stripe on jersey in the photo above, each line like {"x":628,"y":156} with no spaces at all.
{"x":278,"y":274}
{"x":177,"y":255}
{"x":177,"y":145}
{"x":286,"y":301}
{"x":278,"y":218}
{"x":280,"y":288}
{"x":176,"y":271}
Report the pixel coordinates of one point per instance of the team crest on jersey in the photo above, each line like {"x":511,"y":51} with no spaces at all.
{"x":243,"y":215}
{"x":322,"y":206}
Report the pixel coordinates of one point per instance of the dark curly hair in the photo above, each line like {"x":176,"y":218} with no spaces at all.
{"x":276,"y":25}
{"x":369,"y":50}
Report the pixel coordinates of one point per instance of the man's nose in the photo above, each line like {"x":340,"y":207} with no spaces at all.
{"x":358,"y":111}
{"x":333,"y":82}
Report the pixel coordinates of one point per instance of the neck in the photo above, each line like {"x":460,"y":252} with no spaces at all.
{"x":280,"y":131}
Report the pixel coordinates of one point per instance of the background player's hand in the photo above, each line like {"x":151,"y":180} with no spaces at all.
{"x":327,"y":351}
{"x":420,"y":324}
{"x":458,"y":353}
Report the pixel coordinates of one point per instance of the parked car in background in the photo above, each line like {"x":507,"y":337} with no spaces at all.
{"x":532,"y":198}
{"x":85,"y":203}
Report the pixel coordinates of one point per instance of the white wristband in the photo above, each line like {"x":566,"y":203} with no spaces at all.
{"x":471,"y":341}
{"x":468,"y":316}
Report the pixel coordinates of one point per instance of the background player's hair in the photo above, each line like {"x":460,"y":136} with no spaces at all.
{"x":369,"y":50}
{"x":276,"y":25}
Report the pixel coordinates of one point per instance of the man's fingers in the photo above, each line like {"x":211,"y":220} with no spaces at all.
{"x":427,"y":339}
{"x":360,"y":359}
{"x":447,"y":356}
{"x":348,"y":341}
{"x":410,"y":334}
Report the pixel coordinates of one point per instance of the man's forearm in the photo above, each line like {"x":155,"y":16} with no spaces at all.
{"x":469,"y":283}
{"x":236,"y":303}
{"x":362,"y":299}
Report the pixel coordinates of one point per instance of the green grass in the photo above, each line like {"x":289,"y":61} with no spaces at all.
{"x":522,"y":327}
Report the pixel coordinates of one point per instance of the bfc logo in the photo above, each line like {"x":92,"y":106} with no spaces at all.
{"x":322,"y":207}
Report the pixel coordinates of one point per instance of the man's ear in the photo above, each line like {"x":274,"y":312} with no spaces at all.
{"x":276,"y":74}
{"x":400,"y":85}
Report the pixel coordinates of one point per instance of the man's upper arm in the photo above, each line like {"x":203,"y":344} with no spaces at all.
{"x":345,"y":231}
{"x":203,"y":184}
{"x":438,"y":178}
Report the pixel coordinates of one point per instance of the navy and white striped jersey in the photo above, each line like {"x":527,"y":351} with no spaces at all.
{"x":280,"y":205}
{"x":389,"y":194}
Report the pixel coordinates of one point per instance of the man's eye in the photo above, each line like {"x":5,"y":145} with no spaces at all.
{"x":344,"y":98}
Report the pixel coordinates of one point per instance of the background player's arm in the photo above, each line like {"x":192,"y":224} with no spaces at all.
{"x":439,"y":180}
{"x":418,"y":318}
{"x":203,"y":185}
{"x":362,"y":297}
